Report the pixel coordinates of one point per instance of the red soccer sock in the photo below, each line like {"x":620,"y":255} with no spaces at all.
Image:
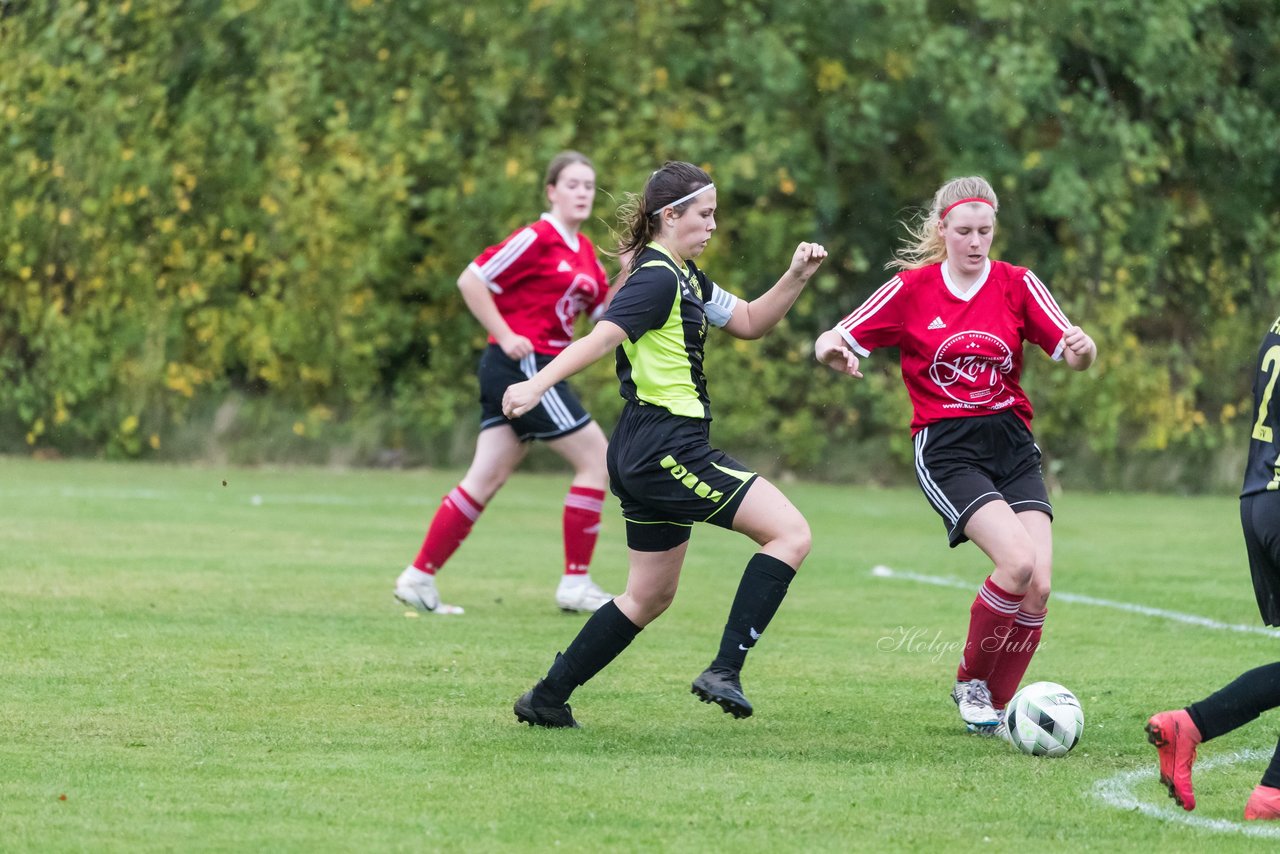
{"x":990,"y":618}
{"x":582,"y":508}
{"x":1022,"y":643}
{"x":449,"y":527}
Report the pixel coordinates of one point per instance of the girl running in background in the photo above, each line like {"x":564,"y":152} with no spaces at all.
{"x":527,"y":291}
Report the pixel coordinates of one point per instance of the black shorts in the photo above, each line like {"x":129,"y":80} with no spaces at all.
{"x":964,"y":463}
{"x":1260,"y":516}
{"x":558,"y":414}
{"x":667,"y":476}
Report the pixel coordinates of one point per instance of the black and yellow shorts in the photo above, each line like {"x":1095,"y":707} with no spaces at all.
{"x":667,"y":476}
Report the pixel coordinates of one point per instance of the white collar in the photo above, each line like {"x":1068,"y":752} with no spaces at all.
{"x":570,"y":239}
{"x":974,"y":288}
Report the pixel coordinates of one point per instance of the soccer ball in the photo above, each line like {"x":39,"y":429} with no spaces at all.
{"x":1044,"y":719}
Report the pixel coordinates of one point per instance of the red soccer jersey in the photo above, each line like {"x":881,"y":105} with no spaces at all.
{"x":542,"y":278}
{"x":961,"y":351}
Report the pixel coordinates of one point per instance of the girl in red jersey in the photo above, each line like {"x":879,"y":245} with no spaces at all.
{"x":527,"y":291}
{"x":959,"y":320}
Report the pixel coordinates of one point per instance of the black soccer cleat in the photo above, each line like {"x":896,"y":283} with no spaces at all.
{"x":722,"y":688}
{"x":554,"y":716}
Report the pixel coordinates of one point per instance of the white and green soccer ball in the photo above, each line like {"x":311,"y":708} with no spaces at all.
{"x":1044,"y":719}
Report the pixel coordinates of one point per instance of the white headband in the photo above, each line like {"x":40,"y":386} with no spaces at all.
{"x":683,"y":199}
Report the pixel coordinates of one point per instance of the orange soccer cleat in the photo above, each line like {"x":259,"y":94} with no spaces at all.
{"x":1263,"y":805}
{"x":1175,"y":737}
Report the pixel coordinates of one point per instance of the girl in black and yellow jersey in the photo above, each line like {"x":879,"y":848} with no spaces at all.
{"x":1177,"y":733}
{"x":662,"y":466}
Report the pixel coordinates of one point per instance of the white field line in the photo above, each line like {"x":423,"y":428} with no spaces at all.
{"x":1117,"y":791}
{"x":1145,"y":610}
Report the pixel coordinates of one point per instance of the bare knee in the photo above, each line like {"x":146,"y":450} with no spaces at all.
{"x":792,"y":545}
{"x":1016,"y":571}
{"x":483,"y":486}
{"x":643,"y":607}
{"x":801,"y":541}
{"x":658,"y":604}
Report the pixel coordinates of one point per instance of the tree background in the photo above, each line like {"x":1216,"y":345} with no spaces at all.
{"x":232,"y":230}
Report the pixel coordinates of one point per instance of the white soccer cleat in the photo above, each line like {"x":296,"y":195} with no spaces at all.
{"x":580,"y":593}
{"x":418,"y":590}
{"x":1002,"y":729}
{"x":999,"y":730}
{"x":973,"y":699}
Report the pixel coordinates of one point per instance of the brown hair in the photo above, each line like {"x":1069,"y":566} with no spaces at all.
{"x":563,"y":160}
{"x":924,"y":245}
{"x":639,"y":214}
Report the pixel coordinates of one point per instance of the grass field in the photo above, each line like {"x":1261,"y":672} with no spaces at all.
{"x":211,"y":659}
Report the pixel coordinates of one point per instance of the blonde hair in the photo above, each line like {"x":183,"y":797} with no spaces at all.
{"x":924,"y":245}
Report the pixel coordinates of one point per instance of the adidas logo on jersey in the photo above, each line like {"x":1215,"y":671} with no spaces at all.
{"x":937,"y":324}
{"x":564,"y":267}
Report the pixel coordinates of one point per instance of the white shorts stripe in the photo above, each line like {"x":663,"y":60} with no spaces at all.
{"x":1029,"y":504}
{"x":551,"y":401}
{"x":976,"y":500}
{"x":557,"y":410}
{"x":931,"y":491}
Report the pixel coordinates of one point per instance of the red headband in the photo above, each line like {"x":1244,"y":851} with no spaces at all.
{"x":948,"y":208}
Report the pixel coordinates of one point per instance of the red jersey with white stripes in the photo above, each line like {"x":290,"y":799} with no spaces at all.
{"x":542,"y":278}
{"x":961,"y":350}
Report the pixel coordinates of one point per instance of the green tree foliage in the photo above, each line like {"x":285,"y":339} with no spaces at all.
{"x":209,"y":201}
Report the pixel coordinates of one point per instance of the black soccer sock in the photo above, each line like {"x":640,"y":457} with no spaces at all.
{"x":763,"y":586}
{"x":1250,"y":695}
{"x":602,"y":639}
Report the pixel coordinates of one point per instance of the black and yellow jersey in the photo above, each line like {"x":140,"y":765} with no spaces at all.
{"x":665,"y":310}
{"x":1262,"y":473}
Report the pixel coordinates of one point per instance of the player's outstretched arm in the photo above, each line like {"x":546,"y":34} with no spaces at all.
{"x":519,"y":398}
{"x":753,"y":319}
{"x":1080,"y":351}
{"x":831,"y":350}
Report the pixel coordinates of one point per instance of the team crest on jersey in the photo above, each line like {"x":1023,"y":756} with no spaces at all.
{"x":970,"y":367}
{"x":577,"y":299}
